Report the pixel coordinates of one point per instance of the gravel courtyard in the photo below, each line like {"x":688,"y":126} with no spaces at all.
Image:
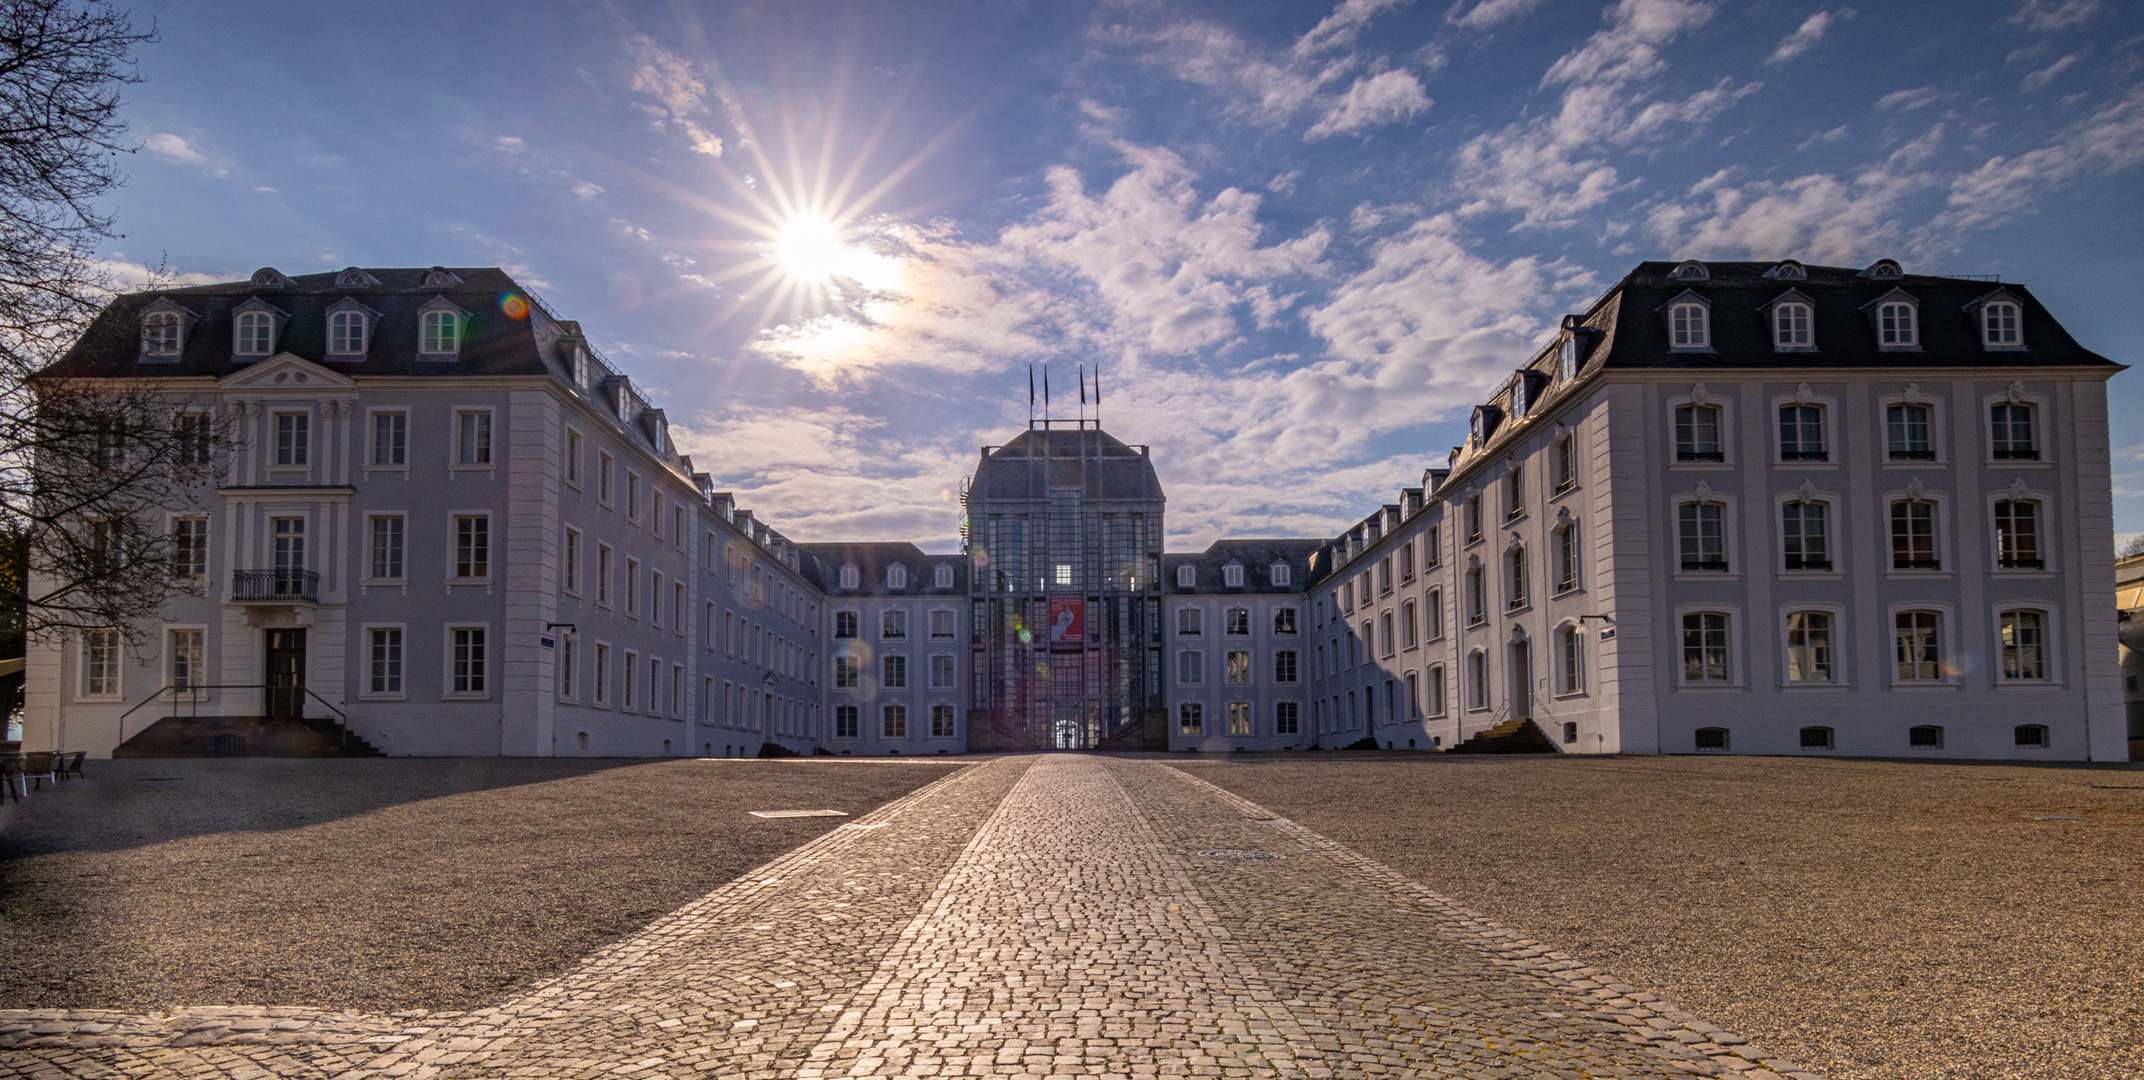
{"x":377,"y":884}
{"x":1868,"y":918}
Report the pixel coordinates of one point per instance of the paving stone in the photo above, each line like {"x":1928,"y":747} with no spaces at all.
{"x":1055,"y":915}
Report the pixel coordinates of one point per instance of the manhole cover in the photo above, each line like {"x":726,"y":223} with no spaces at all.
{"x":797,"y":813}
{"x":1232,"y":855}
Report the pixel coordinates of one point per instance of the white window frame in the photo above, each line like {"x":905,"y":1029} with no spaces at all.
{"x":364,"y":333}
{"x":364,"y":674}
{"x":1793,"y":325}
{"x":1828,"y":441}
{"x":171,"y":654}
{"x":454,"y":545}
{"x":1737,"y":657}
{"x":447,"y":647}
{"x":2041,"y":443}
{"x":239,"y":321}
{"x":1994,"y":338}
{"x":1839,"y":651}
{"x":372,"y":441}
{"x":571,"y":546}
{"x":381,"y":515}
{"x":1569,"y":683}
{"x":1940,"y":536}
{"x":2050,"y":652}
{"x":1187,"y":576}
{"x":488,"y":443}
{"x":1191,"y":662}
{"x":1831,"y":502}
{"x":425,"y":337}
{"x":573,"y":447}
{"x":1478,"y":689}
{"x":1938,"y":426}
{"x":1946,"y":645}
{"x":118,"y":666}
{"x":1905,"y":338}
{"x":1698,"y":334}
{"x":1730,"y":537}
{"x":171,"y":529}
{"x":1727,"y":433}
{"x":300,"y":447}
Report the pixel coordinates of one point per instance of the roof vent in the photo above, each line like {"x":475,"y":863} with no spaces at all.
{"x":1788,"y":270}
{"x":1691,"y":270}
{"x":350,"y":277}
{"x":439,"y":277}
{"x":1883,"y":270}
{"x":268,"y":277}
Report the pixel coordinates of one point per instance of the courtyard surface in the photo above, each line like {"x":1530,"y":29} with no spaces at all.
{"x":1084,"y":915}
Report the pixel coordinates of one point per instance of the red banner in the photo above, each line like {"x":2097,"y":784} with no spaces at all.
{"x":1067,"y":621}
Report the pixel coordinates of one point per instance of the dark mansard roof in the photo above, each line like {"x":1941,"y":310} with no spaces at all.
{"x":1089,"y":460}
{"x":871,"y":560}
{"x":1257,"y":557}
{"x":494,"y":341}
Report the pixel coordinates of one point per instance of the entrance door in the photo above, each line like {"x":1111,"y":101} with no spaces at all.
{"x":286,"y":673}
{"x":1522,"y":681}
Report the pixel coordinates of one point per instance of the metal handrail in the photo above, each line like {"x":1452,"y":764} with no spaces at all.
{"x":196,"y":688}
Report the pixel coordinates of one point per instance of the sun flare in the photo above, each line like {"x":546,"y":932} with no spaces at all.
{"x":810,"y":249}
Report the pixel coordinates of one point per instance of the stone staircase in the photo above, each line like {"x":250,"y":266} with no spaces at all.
{"x":245,"y":736}
{"x":1510,"y":737}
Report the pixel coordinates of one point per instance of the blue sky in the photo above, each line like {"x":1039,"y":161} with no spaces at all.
{"x":1301,"y":239}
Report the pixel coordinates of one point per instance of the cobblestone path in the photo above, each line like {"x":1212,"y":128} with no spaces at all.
{"x":1053,"y":915}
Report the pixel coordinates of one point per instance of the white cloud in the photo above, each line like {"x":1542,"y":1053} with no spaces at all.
{"x":1339,"y":29}
{"x":1807,"y":35}
{"x":680,"y":90}
{"x":2045,"y":75}
{"x":2108,"y":141}
{"x":1488,"y":13}
{"x":1818,"y":217}
{"x":126,"y":276}
{"x":2047,"y":15}
{"x":173,"y":148}
{"x":1551,"y":168}
{"x":1372,"y":102}
{"x":1909,"y":100}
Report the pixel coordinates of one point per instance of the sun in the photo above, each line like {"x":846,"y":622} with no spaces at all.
{"x":810,"y":249}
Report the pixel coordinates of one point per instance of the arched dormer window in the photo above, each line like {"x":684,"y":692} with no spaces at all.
{"x":254,"y":333}
{"x":1788,"y":270}
{"x":1518,"y":397}
{"x":1567,"y":360}
{"x":349,"y":329}
{"x":441,"y":332}
{"x":268,"y":277}
{"x":944,"y":578}
{"x":1898,"y":322}
{"x":1883,"y":270}
{"x":896,"y":576}
{"x":1689,"y":323}
{"x":350,"y":277}
{"x":439,"y":277}
{"x":164,"y":326}
{"x":1280,"y":574}
{"x":1232,"y":575}
{"x":1691,"y":270}
{"x":1793,"y":321}
{"x":2000,"y":325}
{"x":850,"y":577}
{"x":1187,"y":576}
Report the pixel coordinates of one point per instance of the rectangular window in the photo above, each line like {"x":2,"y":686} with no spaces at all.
{"x":1190,"y":667}
{"x":630,"y":673}
{"x":655,"y":597}
{"x":1190,"y":719}
{"x":1384,"y":576}
{"x":2012,"y":430}
{"x":845,"y":726}
{"x":1805,"y":530}
{"x":1478,"y":681}
{"x":844,"y":624}
{"x":632,"y":587}
{"x":469,"y":660}
{"x":2017,"y":535}
{"x":602,"y":674}
{"x":1284,"y":620}
{"x":1239,"y":667}
{"x":893,"y":672}
{"x":941,"y":672}
{"x":603,"y":474}
{"x":1809,"y":647}
{"x":603,"y":574}
{"x":1432,"y":549}
{"x":1697,"y":433}
{"x":1790,"y":326}
{"x":941,"y":722}
{"x":1515,"y":491}
{"x":1567,"y":558}
{"x":1920,"y":647}
{"x":386,"y":547}
{"x":1913,"y":535}
{"x":1477,"y":598}
{"x":384,"y":647}
{"x":1566,"y":463}
{"x":1188,"y":621}
{"x":289,"y":550}
{"x":941,"y":625}
{"x":1238,"y":621}
{"x":1284,"y":666}
{"x":1434,"y":623}
{"x":195,"y":432}
{"x":1239,"y":718}
{"x":293,"y":442}
{"x":1573,"y":642}
{"x":1287,"y":718}
{"x":1408,"y":640}
{"x":1414,"y":696}
{"x":472,"y":438}
{"x":390,"y":438}
{"x":571,"y":556}
{"x":1473,"y":518}
{"x":188,"y":655}
{"x":1907,"y":432}
{"x":1704,"y":647}
{"x":189,"y":548}
{"x":573,"y":457}
{"x":1515,"y":572}
{"x":632,"y":496}
{"x":567,"y":666}
{"x":472,"y":546}
{"x":894,"y":722}
{"x":893,"y":624}
{"x":1436,"y":691}
{"x":1895,"y":324}
{"x":100,"y":663}
{"x":1801,"y":433}
{"x":1703,"y":535}
{"x":2024,"y":638}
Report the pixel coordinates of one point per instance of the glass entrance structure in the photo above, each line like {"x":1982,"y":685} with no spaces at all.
{"x":1063,"y":529}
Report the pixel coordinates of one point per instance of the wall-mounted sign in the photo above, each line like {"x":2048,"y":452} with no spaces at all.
{"x":1067,"y":621}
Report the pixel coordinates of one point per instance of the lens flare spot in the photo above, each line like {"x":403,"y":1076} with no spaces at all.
{"x":514,"y":306}
{"x":1959,"y":664}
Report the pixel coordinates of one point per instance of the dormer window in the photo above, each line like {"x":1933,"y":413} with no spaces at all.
{"x":1187,"y":576}
{"x":1788,"y":270}
{"x":161,"y":333}
{"x":1475,"y":434}
{"x":1691,"y":271}
{"x":1791,"y":326}
{"x":442,"y":332}
{"x":439,"y":277}
{"x":255,"y":333}
{"x":1280,"y":574}
{"x":1232,"y":575}
{"x":1883,"y":270}
{"x":1689,"y":326}
{"x":268,"y":277}
{"x":1999,"y":325}
{"x":1896,"y":326}
{"x":896,"y":576}
{"x":944,"y":579}
{"x":850,"y":577}
{"x":1567,"y":360}
{"x":1518,"y":397}
{"x":351,"y":277}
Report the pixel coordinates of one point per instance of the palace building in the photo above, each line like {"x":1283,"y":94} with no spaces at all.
{"x":1732,"y":507}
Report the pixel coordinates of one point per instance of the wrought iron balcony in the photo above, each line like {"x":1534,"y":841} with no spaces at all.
{"x":275,"y":586}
